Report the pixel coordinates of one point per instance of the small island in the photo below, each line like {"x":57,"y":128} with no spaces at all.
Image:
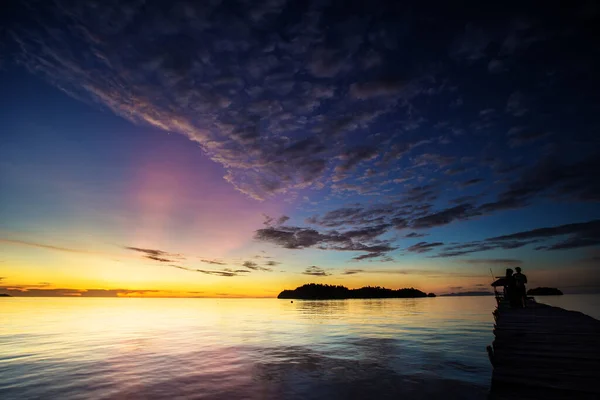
{"x":5,"y":295}
{"x":315,"y":291}
{"x":544,"y":291}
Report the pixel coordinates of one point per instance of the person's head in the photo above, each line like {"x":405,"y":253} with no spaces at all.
{"x":509,"y":272}
{"x":518,"y":269}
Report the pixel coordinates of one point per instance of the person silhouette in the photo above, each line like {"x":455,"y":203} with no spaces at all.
{"x":509,"y":285}
{"x":521,"y":281}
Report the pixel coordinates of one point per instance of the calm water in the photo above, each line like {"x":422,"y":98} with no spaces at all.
{"x":254,"y":349}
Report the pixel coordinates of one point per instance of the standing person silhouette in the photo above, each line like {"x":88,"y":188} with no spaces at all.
{"x":521,"y":281}
{"x":510,"y":288}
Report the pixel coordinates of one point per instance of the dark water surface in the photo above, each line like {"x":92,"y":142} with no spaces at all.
{"x":85,"y":348}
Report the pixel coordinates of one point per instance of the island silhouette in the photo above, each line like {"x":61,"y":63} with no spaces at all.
{"x":544,"y":291}
{"x":316,"y":291}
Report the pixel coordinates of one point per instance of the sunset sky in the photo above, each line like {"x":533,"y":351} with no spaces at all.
{"x":236,"y":149}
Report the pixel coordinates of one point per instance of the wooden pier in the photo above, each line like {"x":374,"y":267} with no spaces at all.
{"x":544,"y":352}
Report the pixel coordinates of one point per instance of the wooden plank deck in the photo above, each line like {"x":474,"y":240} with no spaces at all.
{"x":544,"y":352}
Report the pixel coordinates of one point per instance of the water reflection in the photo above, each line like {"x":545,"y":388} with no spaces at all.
{"x":254,"y":349}
{"x":317,"y":309}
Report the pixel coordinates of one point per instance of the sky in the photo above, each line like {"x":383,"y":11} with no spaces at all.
{"x":239,"y":148}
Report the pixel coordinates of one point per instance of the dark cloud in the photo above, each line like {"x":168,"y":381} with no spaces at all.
{"x":423,"y":247}
{"x":326,"y":63}
{"x":360,"y":240}
{"x":157,"y":255}
{"x":368,"y":90}
{"x":420,"y":272}
{"x":283,"y":219}
{"x":520,"y":136}
{"x":315,"y":271}
{"x":158,"y":259}
{"x":414,"y":235}
{"x":494,"y":261}
{"x":227,"y":272}
{"x":556,"y":179}
{"x":517,"y":104}
{"x":583,"y":234}
{"x":578,"y":235}
{"x":460,"y":169}
{"x":472,"y":182}
{"x":255,"y":267}
{"x":261,"y":104}
{"x":352,"y":271}
{"x":352,"y":157}
{"x":213,"y":262}
{"x":444,"y":217}
{"x":272,"y":263}
{"x":436,"y":160}
{"x":290,"y":98}
{"x":368,"y":256}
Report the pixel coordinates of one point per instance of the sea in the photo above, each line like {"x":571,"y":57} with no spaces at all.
{"x":128,"y":348}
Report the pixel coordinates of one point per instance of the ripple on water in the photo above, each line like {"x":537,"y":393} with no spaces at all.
{"x":253,"y":349}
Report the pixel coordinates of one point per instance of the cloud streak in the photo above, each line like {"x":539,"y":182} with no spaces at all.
{"x":227,"y":272}
{"x":567,"y":236}
{"x":315,"y":271}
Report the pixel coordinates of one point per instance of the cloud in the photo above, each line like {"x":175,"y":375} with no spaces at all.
{"x":368,"y":256}
{"x":156,"y":255}
{"x":420,"y":272}
{"x":436,"y":160}
{"x":45,"y":246}
{"x":352,"y":271}
{"x":470,"y":44}
{"x":254,"y":266}
{"x":326,"y":63}
{"x":352,"y":157}
{"x":323,"y":104}
{"x":272,"y":263}
{"x":472,"y":182}
{"x":423,"y":247}
{"x":264,"y":106}
{"x":496,"y":66}
{"x":520,"y":136}
{"x":227,"y":272}
{"x":315,"y":271}
{"x":582,"y":234}
{"x":158,"y":259}
{"x":213,"y":262}
{"x":579,"y":235}
{"x":444,"y":217}
{"x":39,"y":291}
{"x":493,"y":261}
{"x":359,"y":240}
{"x":369,"y":90}
{"x":553,"y":178}
{"x":414,"y":235}
{"x":517,"y":104}
{"x":282,"y":220}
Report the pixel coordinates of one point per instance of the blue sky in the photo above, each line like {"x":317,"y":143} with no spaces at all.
{"x":250,"y":147}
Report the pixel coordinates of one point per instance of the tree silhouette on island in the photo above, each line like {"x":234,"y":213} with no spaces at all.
{"x":316,"y":291}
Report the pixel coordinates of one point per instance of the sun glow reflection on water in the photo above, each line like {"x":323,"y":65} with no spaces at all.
{"x":244,"y":348}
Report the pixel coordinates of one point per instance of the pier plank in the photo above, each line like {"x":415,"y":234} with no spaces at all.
{"x":545,"y":352}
